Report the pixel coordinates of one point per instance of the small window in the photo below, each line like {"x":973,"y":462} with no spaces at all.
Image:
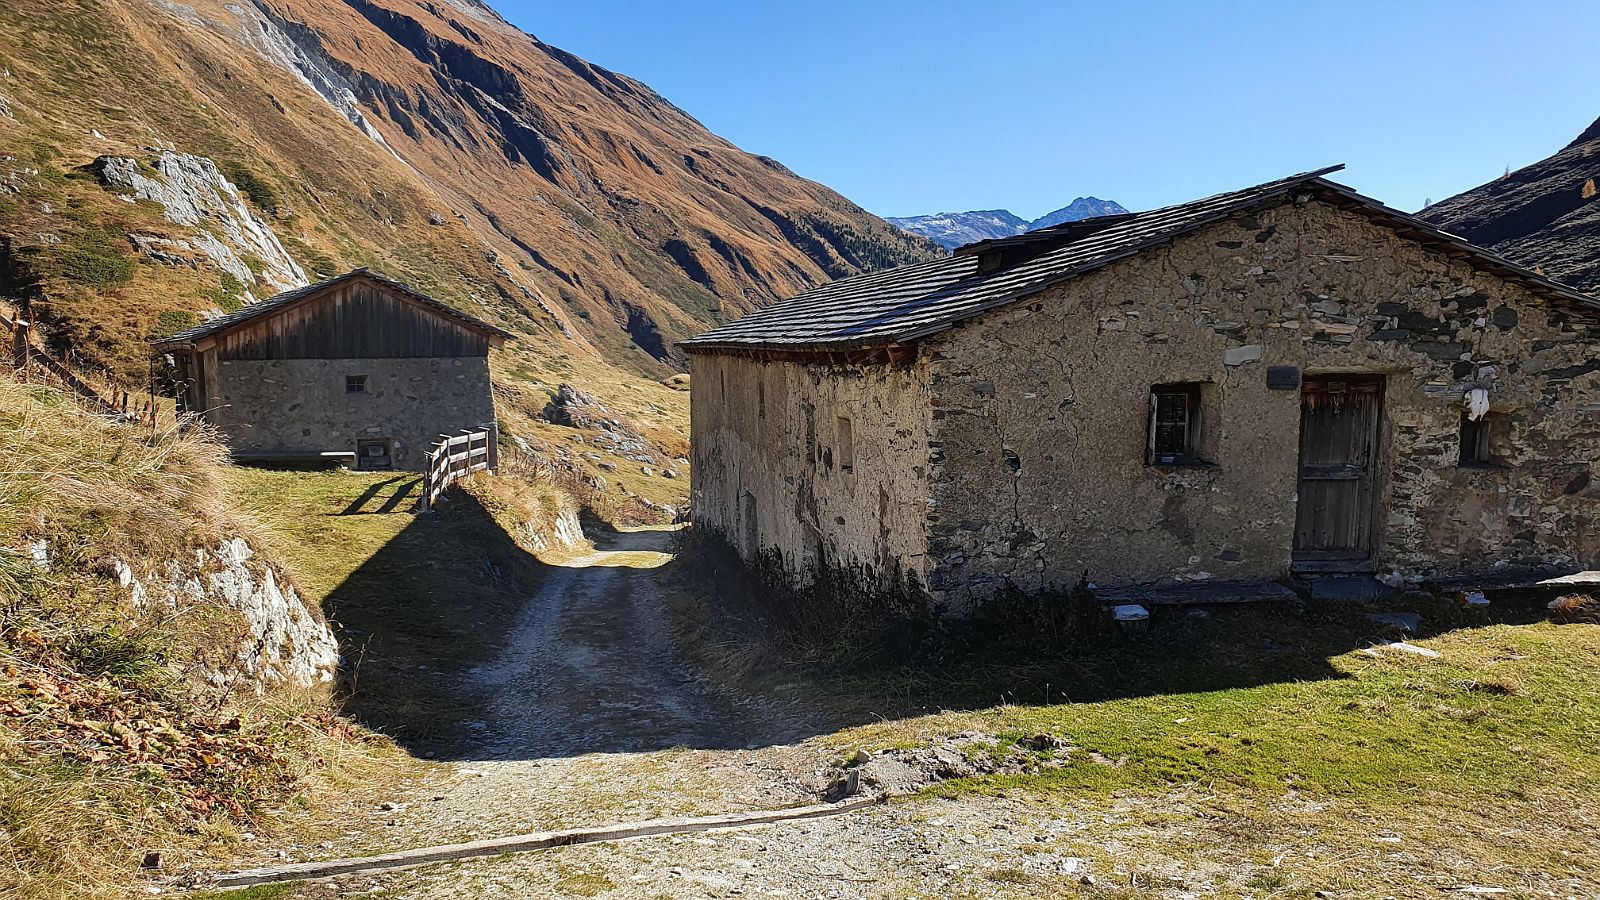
{"x":847,"y":447}
{"x":1174,"y":438}
{"x":761,"y":399}
{"x":1481,"y":441}
{"x":355,"y":384}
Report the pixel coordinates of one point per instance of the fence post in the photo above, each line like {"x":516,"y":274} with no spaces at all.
{"x":19,"y":341}
{"x":493,"y":430}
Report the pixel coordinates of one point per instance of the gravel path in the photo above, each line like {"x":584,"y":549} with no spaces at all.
{"x":595,"y":718}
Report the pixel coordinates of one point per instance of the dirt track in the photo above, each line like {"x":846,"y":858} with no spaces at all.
{"x":596,"y":718}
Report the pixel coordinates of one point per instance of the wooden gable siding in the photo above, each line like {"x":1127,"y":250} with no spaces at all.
{"x":358,"y":320}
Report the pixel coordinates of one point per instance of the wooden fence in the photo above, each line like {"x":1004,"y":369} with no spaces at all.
{"x":28,"y":358}
{"x":457,"y":455}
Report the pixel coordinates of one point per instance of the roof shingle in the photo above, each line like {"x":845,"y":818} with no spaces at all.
{"x":905,"y":304}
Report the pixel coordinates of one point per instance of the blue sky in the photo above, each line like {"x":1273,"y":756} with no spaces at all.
{"x":916,"y":107}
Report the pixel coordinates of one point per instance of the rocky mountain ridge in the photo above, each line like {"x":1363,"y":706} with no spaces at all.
{"x":951,"y":230}
{"x":1545,"y":215}
{"x":430,"y":140}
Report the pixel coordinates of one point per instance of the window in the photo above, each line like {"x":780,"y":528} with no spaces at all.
{"x":1481,"y":441}
{"x":355,"y":384}
{"x":847,"y":447}
{"x":1174,"y":438}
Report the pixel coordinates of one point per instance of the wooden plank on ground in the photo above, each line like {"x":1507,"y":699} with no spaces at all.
{"x":539,"y":840}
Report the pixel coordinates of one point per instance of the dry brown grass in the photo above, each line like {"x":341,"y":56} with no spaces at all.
{"x":1576,"y":608}
{"x":112,"y":743}
{"x":525,"y":497}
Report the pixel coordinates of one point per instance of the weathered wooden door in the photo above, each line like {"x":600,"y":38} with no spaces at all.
{"x":1340,"y":477}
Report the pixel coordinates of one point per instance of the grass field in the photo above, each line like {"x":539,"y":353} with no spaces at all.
{"x":1262,"y":751}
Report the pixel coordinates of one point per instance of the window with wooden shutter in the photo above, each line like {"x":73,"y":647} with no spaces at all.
{"x":1174,"y":434}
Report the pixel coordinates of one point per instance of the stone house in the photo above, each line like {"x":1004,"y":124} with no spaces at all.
{"x":1287,"y":378}
{"x":357,"y":368}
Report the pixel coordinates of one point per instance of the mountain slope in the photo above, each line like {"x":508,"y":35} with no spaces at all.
{"x":952,"y":230}
{"x":1545,"y":215}
{"x":431,"y":140}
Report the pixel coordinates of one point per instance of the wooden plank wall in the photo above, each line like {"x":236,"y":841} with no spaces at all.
{"x":355,"y":321}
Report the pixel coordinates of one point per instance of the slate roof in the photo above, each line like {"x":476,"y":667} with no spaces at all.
{"x":902,"y":305}
{"x":186,"y":339}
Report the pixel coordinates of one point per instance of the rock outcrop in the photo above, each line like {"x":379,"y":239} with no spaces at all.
{"x":281,"y":640}
{"x":193,"y":192}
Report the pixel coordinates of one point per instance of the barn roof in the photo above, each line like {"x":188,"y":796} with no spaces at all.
{"x":902,"y":305}
{"x":186,"y":339}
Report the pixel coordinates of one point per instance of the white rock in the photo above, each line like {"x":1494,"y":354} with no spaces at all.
{"x":286,"y":643}
{"x":193,"y":192}
{"x":1238,"y":356}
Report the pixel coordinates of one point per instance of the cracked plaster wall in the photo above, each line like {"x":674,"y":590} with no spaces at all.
{"x":871,"y":521}
{"x":1039,"y":412}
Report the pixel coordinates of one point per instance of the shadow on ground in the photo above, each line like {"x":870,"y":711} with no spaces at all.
{"x":462,"y":645}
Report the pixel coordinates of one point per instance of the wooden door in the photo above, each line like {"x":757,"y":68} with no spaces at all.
{"x":1340,"y":476}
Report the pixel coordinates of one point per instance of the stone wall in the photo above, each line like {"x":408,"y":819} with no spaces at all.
{"x":774,"y":467}
{"x":289,"y":405}
{"x":1039,"y":411}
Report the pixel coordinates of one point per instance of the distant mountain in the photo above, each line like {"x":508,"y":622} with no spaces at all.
{"x":1081,"y":208}
{"x":1546,"y":215}
{"x":951,"y":230}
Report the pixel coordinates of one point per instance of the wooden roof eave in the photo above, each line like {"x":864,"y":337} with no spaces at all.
{"x":395,"y":288}
{"x":895,"y":353}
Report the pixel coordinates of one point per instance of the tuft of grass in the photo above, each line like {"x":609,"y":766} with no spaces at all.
{"x":260,"y":192}
{"x":584,"y":884}
{"x":91,"y":257}
{"x":254,"y":892}
{"x":1576,"y":608}
{"x":112,"y":650}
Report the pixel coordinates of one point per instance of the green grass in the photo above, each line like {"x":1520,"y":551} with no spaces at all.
{"x":257,"y":892}
{"x":417,"y":598}
{"x":1261,"y":734}
{"x":304,"y":514}
{"x":1373,"y":729}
